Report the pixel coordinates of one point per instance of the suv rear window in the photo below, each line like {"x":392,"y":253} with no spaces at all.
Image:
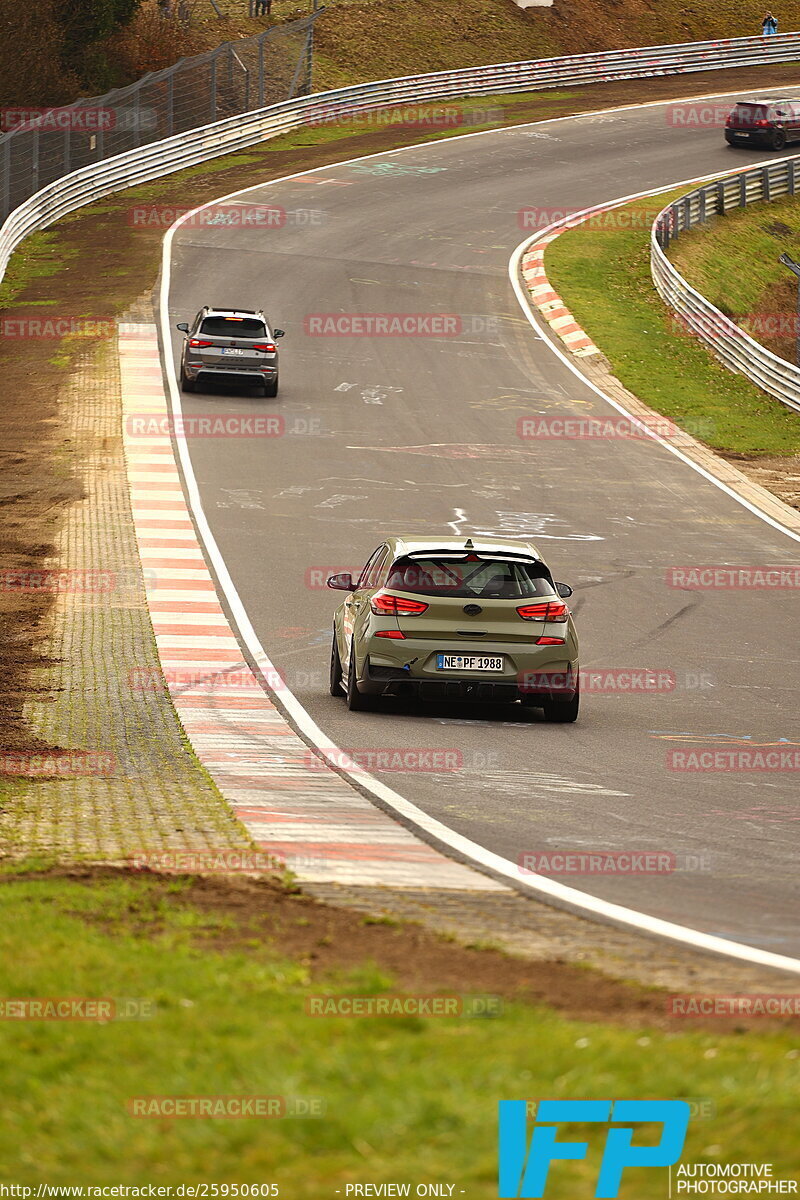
{"x":748,"y":114}
{"x":471,"y":576}
{"x":247,"y":327}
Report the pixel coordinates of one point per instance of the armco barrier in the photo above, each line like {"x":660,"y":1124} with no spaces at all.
{"x":731,"y":344}
{"x":143,"y":163}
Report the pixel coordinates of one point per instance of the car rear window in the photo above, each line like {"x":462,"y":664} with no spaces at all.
{"x":471,"y":576}
{"x":748,"y":114}
{"x":247,"y":327}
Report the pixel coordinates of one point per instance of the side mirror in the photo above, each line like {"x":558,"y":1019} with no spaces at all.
{"x":564,"y":590}
{"x":183,"y":326}
{"x":343,"y":582}
{"x":279,"y":333}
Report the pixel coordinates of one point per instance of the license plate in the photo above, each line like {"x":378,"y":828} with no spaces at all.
{"x":232,"y":350}
{"x":469,"y":662}
{"x":740,"y":134}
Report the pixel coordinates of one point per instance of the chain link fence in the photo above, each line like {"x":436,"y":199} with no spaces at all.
{"x":41,"y":146}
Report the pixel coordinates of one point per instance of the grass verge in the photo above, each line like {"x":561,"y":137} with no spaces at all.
{"x":734,"y":262}
{"x":405,"y":1098}
{"x":603,"y":273}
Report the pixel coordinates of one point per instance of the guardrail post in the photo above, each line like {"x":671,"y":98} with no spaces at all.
{"x":5,"y":178}
{"x":791,"y":180}
{"x":170,"y":104}
{"x":137,"y":118}
{"x":35,"y":161}
{"x":701,"y":216}
{"x":765,"y":180}
{"x":742,"y":191}
{"x":721,"y":198}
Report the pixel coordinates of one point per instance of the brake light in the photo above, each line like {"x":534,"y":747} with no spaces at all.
{"x":384,"y":605}
{"x":199,"y":342}
{"x":762,"y":124}
{"x":267,"y":347}
{"x":548,"y":611}
{"x":395,"y":634}
{"x":549,"y":641}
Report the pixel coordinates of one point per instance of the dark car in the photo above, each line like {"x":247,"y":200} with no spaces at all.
{"x":771,"y":123}
{"x":231,"y":345}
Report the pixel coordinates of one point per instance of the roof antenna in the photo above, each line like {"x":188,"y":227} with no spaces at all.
{"x":468,"y":544}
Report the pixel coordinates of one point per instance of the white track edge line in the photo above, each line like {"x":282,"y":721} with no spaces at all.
{"x":573,"y":898}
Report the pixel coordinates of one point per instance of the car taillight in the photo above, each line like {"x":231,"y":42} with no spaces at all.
{"x":549,"y":611}
{"x":267,"y":347}
{"x":199,"y":342}
{"x":395,"y":634}
{"x":384,"y":605}
{"x":549,"y":641}
{"x":762,"y":124}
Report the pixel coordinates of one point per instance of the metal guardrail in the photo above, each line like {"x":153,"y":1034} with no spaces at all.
{"x":146,"y":162}
{"x":730,"y":343}
{"x":41,"y":146}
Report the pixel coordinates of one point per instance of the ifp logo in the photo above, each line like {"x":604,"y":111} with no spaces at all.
{"x":524,"y":1169}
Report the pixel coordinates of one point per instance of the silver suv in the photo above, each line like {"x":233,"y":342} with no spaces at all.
{"x":233,"y":345}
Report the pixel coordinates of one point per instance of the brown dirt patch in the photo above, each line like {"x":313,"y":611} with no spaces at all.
{"x":262,"y":915}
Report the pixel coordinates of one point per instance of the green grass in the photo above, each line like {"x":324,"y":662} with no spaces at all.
{"x":406,"y":1099}
{"x":734,"y":262}
{"x":38,"y":257}
{"x":603,"y":276}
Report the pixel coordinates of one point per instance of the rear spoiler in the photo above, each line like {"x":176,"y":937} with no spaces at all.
{"x":508,"y":555}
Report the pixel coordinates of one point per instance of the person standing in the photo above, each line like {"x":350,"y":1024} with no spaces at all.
{"x":769,"y":25}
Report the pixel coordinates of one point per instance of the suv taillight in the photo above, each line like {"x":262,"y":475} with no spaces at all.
{"x":384,"y":605}
{"x":267,"y":347}
{"x":199,"y":342}
{"x":551,"y":610}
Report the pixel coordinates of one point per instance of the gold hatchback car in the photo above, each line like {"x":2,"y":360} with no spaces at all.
{"x":456,"y":619}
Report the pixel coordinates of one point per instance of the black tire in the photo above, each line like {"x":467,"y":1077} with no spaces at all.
{"x":336,"y":669}
{"x":356,"y":702}
{"x":563,"y":712}
{"x":778,"y":140}
{"x":187,"y":385}
{"x":271,"y":388}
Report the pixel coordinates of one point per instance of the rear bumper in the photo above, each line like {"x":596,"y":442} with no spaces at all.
{"x":530,"y":686}
{"x":249,"y":375}
{"x":733,"y":138}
